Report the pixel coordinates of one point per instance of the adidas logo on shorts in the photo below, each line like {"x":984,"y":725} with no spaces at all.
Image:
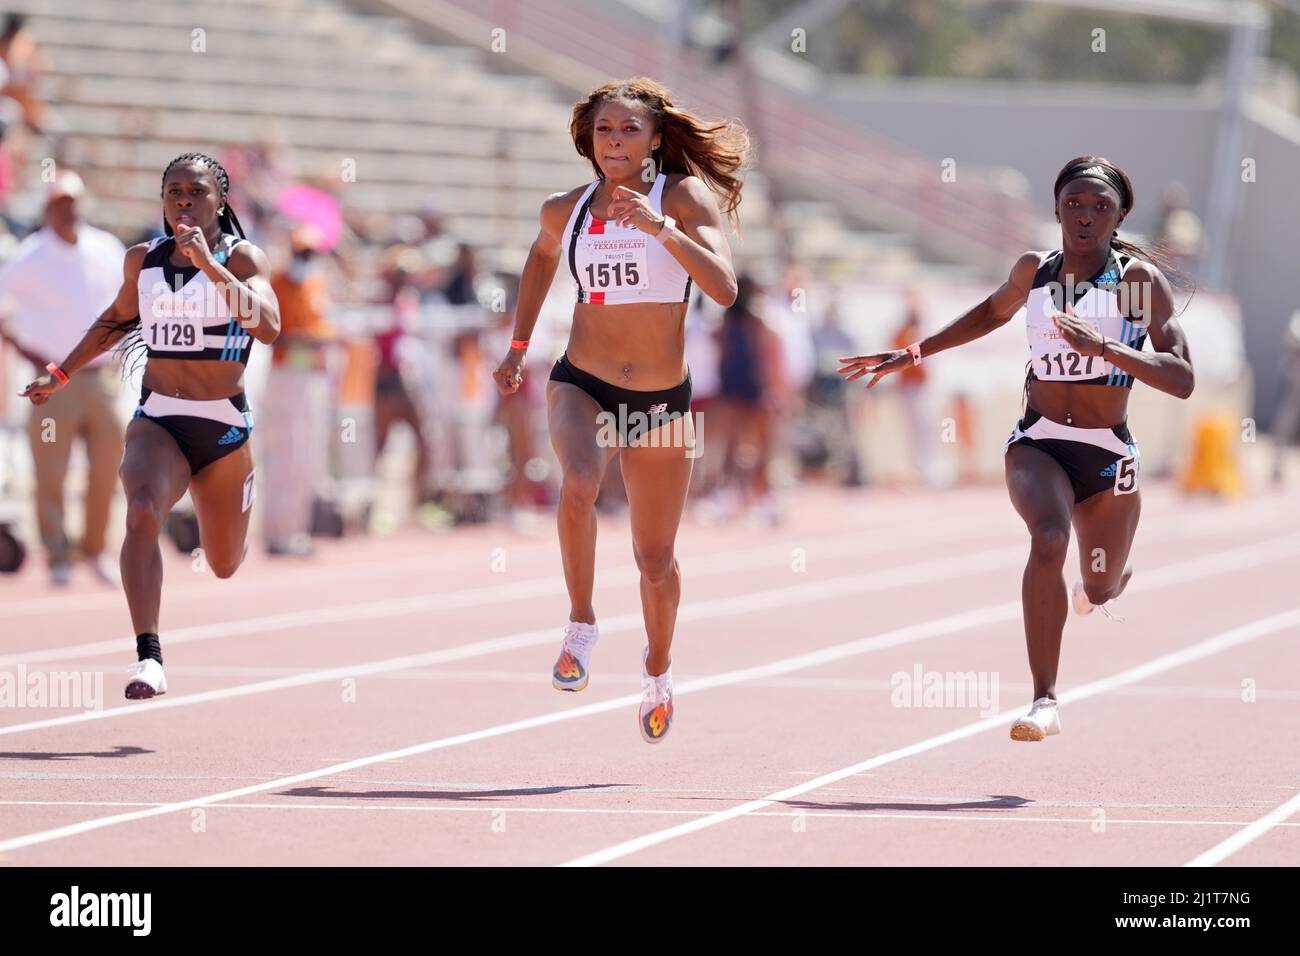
{"x":230,"y":437}
{"x":1108,"y":471}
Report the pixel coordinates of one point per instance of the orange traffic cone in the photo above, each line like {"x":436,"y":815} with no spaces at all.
{"x":1213,"y":466}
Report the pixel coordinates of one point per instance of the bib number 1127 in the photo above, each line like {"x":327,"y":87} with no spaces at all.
{"x":1061,"y":363}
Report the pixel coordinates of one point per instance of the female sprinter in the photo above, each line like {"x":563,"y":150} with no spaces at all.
{"x":195,"y":299}
{"x":1090,"y":306}
{"x":634,"y":240}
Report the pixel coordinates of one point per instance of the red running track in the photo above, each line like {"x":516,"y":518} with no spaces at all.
{"x":390,"y":703}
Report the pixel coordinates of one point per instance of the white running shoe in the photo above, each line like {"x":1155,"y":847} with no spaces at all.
{"x":570,"y":671}
{"x":655,"y":717}
{"x":1079,"y":599}
{"x":105,"y":569}
{"x":147,"y":680}
{"x":1043,"y":720}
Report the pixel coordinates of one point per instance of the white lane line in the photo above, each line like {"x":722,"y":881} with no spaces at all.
{"x":630,"y":679}
{"x":1202,"y":649}
{"x":920,"y":573}
{"x":1274,"y":818}
{"x":981,"y":817}
{"x":923,"y":572}
{"x":705,"y":565}
{"x":947,"y":625}
{"x":426,"y":560}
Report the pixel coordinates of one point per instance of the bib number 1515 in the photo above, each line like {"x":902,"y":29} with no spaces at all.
{"x":602,"y":275}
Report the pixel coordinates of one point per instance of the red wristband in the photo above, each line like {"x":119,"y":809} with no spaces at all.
{"x":519,"y":344}
{"x":58,"y":373}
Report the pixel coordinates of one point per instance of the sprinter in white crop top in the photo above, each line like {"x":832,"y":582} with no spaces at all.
{"x":193,"y":301}
{"x":1090,"y":307}
{"x":635,"y":242}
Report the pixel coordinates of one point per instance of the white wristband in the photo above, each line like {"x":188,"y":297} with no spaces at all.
{"x":669,"y":222}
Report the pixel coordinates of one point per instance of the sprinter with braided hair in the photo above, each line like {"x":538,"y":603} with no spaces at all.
{"x":194,"y":300}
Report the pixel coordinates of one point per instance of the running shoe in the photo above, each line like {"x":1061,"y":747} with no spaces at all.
{"x":1043,"y":720}
{"x":146,"y":681}
{"x":570,"y":672}
{"x":1081,"y":604}
{"x":655,"y":717}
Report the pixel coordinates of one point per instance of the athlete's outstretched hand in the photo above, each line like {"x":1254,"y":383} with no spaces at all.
{"x":510,"y":373}
{"x":882,"y":363}
{"x":40,"y":390}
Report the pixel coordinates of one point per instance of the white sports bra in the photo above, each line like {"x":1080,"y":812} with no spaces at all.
{"x":182,"y":314}
{"x":614,"y":265}
{"x":1051,"y":357}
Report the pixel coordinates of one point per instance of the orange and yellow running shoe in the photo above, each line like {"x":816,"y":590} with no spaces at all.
{"x":570,"y":671}
{"x":655,"y":717}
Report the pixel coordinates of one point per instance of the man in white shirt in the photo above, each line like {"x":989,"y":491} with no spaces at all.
{"x":60,"y":279}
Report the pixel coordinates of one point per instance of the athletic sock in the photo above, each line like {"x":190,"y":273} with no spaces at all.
{"x":147,"y":646}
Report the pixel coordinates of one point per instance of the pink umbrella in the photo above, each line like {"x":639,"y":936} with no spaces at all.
{"x":313,"y":207}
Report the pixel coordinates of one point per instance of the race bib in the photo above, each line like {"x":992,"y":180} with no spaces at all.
{"x":1053,"y":358}
{"x":174,"y":324}
{"x":613,"y":263}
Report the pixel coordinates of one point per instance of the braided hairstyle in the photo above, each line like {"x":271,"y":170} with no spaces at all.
{"x":228,"y":221}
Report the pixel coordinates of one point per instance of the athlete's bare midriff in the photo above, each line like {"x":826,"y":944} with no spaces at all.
{"x":197,"y":380}
{"x":1083,"y":406}
{"x":641,"y":346}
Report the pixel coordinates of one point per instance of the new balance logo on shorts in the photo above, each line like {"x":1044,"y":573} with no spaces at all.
{"x":658,"y":409}
{"x":232,"y":436}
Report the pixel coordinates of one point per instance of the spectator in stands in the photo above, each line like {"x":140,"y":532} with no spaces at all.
{"x":750,"y":384}
{"x":55,"y":286}
{"x":1286,"y":424}
{"x":25,"y":62}
{"x":520,"y":415}
{"x":393,"y":401}
{"x":1180,"y":231}
{"x":922,"y":431}
{"x":295,"y":425}
{"x":829,"y":399}
{"x":11,"y":115}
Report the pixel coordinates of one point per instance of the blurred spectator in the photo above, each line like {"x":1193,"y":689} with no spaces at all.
{"x":295,"y":420}
{"x":393,"y":401}
{"x":10,"y":118}
{"x":521,"y":415}
{"x":459,"y":286}
{"x":57,"y":283}
{"x":922,"y":431}
{"x":702,"y":356}
{"x":1287,"y":423}
{"x":1180,"y":231}
{"x":750,"y":376}
{"x":831,"y":401}
{"x":24,"y":62}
